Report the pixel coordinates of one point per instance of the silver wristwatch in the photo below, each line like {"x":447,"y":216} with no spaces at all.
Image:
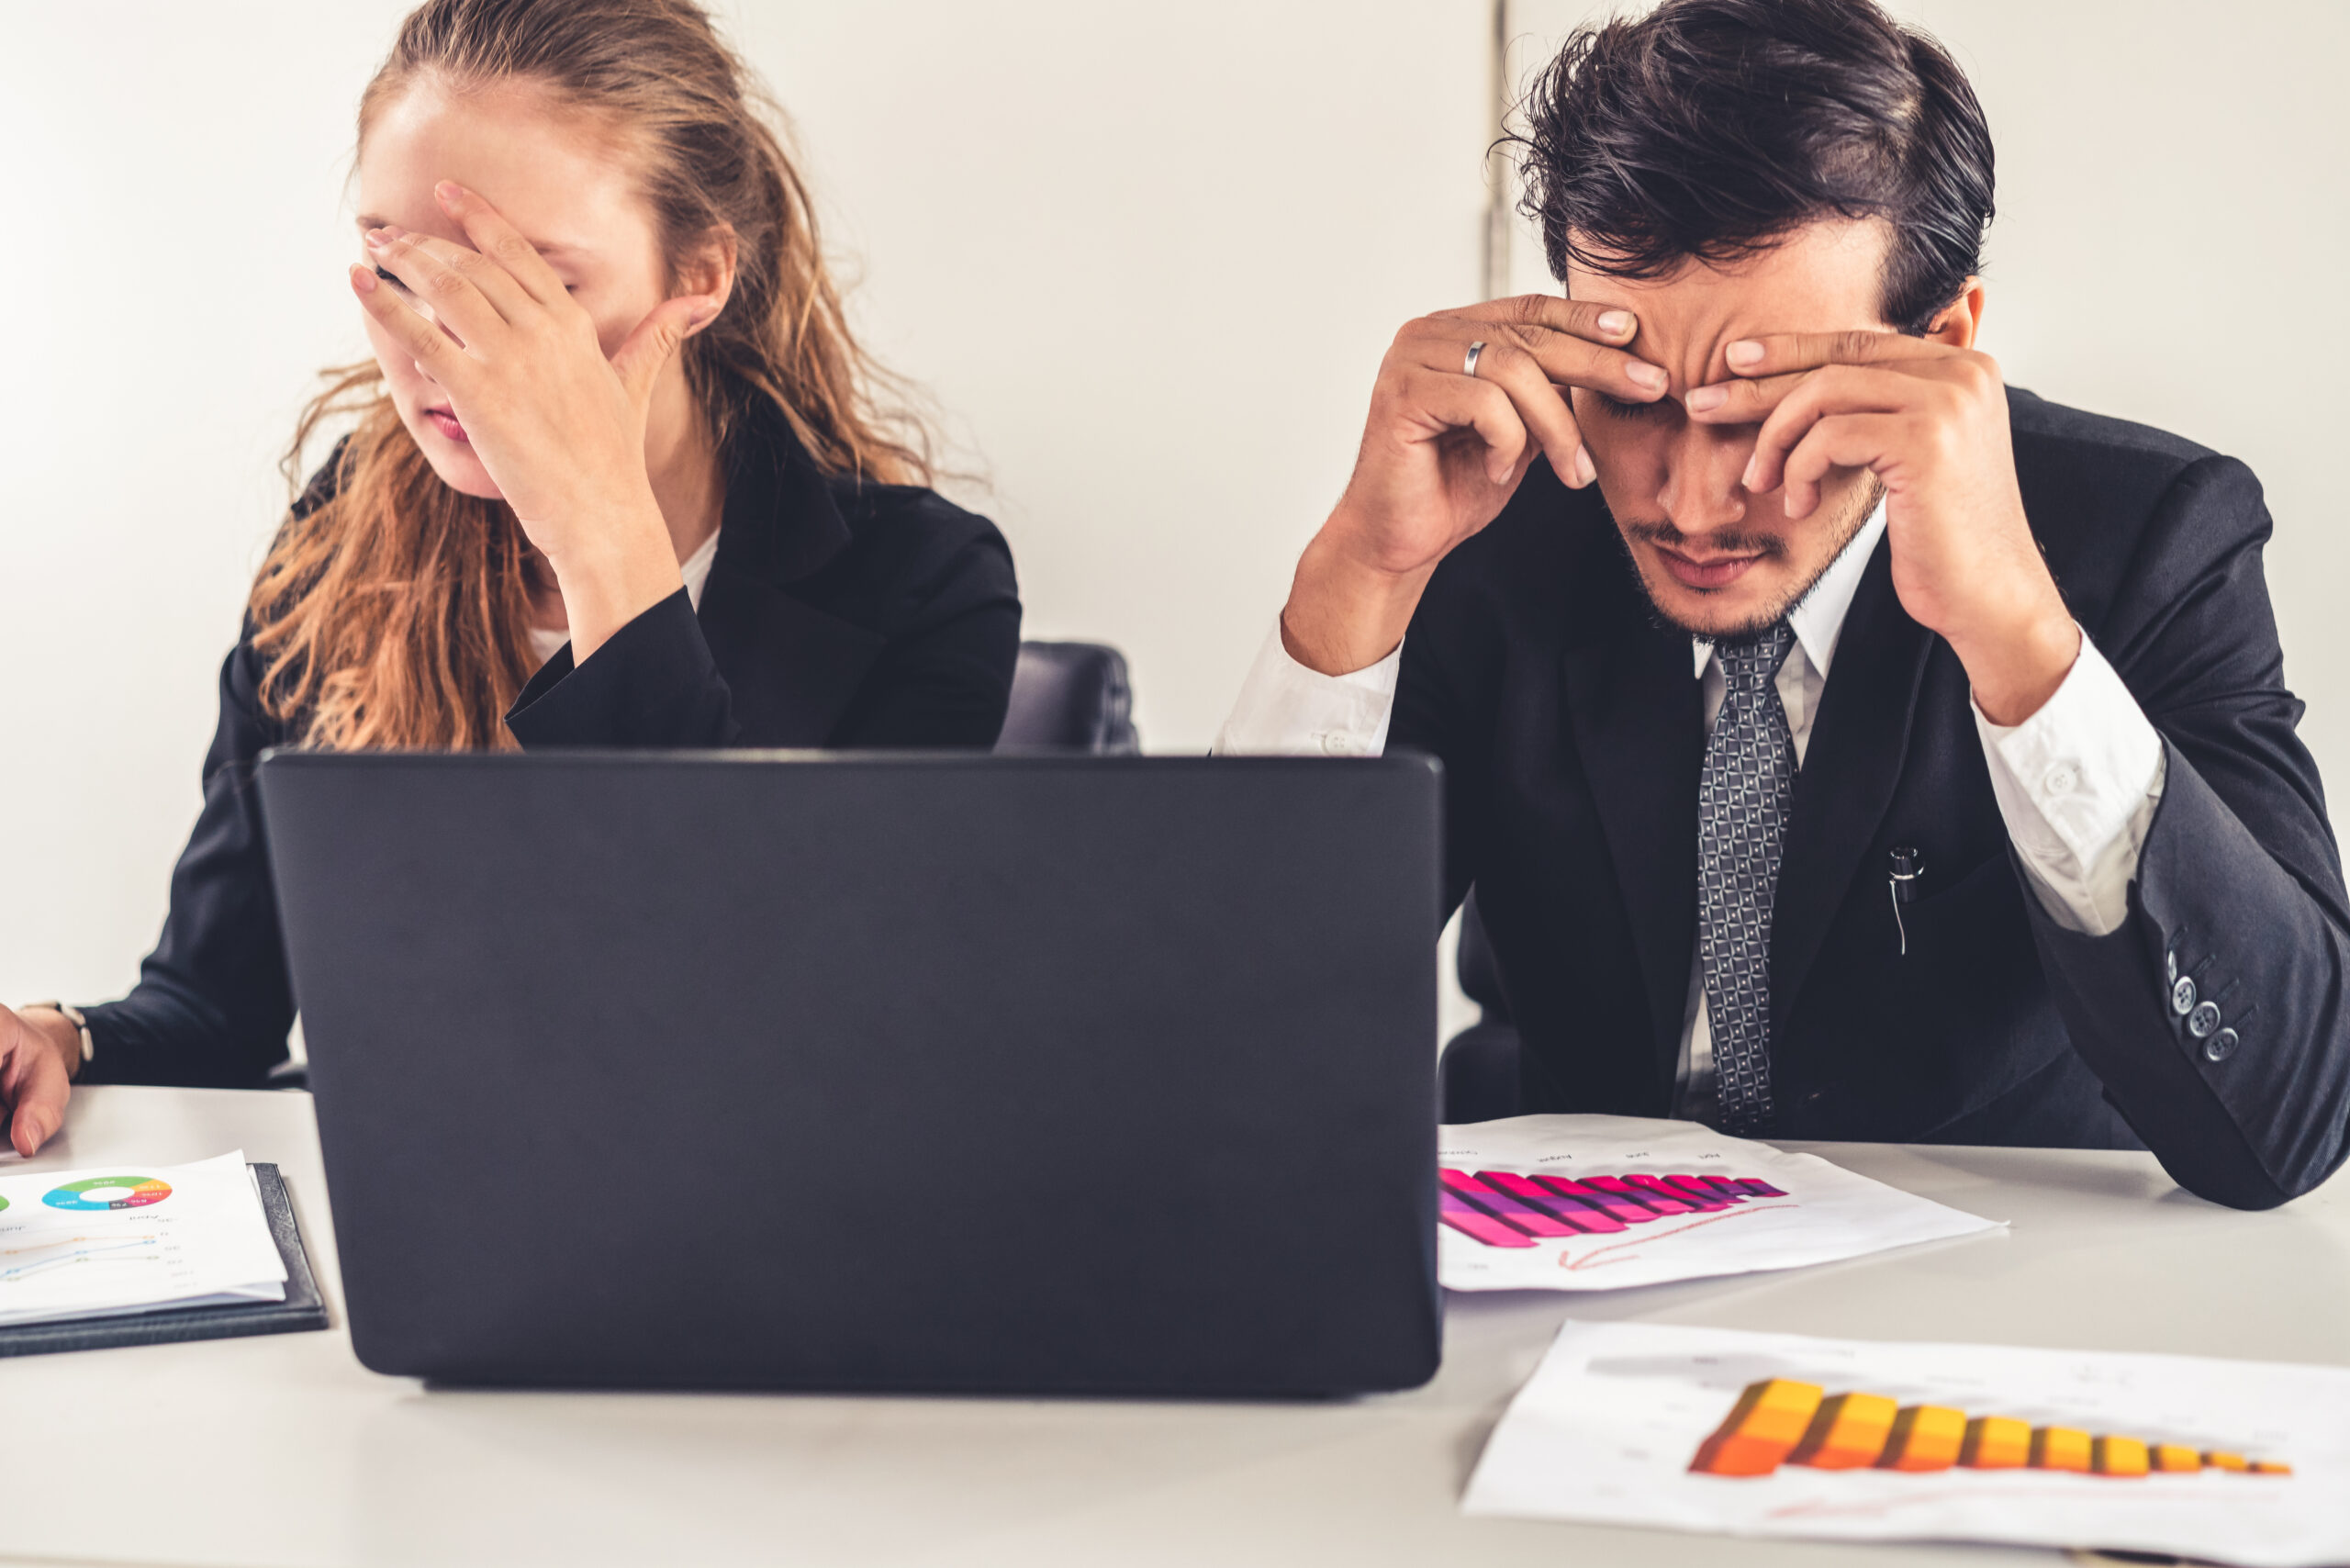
{"x":73,"y":1016}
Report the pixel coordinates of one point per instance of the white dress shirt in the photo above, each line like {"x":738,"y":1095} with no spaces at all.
{"x":2077,"y":783}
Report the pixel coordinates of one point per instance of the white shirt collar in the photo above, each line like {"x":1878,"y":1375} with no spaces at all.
{"x":1818,"y":620}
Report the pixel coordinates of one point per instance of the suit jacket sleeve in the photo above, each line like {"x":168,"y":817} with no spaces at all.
{"x":1444,"y":701}
{"x":651,"y":683}
{"x":943,"y":678}
{"x":2238,"y":886}
{"x":213,"y":1006}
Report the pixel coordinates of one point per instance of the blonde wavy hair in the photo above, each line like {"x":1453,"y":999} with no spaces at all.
{"x":394,"y":611}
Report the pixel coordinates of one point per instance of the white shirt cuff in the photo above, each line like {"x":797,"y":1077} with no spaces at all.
{"x":2078,"y":784}
{"x":1287,"y":710}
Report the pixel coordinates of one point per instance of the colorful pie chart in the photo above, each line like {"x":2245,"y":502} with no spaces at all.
{"x":109,"y":1192}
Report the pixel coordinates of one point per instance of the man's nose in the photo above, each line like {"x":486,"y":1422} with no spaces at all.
{"x":1702,"y":491}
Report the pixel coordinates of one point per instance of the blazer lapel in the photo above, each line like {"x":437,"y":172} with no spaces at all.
{"x":791,"y":668}
{"x":1638,"y":723}
{"x":1849,"y":773}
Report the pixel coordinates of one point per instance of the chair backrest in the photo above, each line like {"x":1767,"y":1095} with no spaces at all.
{"x":1070,"y":697}
{"x":1481,"y":979}
{"x":1478,"y":1073}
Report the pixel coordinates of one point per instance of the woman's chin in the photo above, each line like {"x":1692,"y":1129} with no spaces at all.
{"x":458,"y":467}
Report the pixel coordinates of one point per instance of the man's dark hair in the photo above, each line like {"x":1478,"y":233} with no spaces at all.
{"x":1712,"y":129}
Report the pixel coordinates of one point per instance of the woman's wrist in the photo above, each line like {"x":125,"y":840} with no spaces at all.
{"x":58,"y":1032}
{"x":619,"y":569}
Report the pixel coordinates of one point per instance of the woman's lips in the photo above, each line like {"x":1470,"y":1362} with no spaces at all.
{"x":446,"y":423}
{"x":1720,"y":572}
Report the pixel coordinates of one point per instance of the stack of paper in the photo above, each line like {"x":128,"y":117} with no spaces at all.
{"x":1598,"y":1202}
{"x":116,"y":1239}
{"x":1783,"y":1435}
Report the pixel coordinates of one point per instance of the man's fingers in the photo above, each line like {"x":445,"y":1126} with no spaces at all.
{"x":1442,"y":343}
{"x":1541,"y":405}
{"x":1586,"y":319}
{"x":1443,"y":403}
{"x":1779,"y":353}
{"x":1818,"y":395}
{"x":1740,"y":402}
{"x":502,"y":242}
{"x":1840,"y":441}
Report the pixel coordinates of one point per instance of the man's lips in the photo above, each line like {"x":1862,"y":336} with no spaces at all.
{"x":1718,"y":571}
{"x":446,"y":423}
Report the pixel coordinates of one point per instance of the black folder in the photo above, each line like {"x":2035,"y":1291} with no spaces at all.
{"x":303,"y":1308}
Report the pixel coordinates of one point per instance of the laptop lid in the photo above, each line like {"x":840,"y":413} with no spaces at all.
{"x":873,"y":1072}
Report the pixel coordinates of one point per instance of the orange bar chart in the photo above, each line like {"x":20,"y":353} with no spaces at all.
{"x":1781,"y":1421}
{"x":1769,"y":1420}
{"x":1996,"y":1442}
{"x":1925,"y":1437}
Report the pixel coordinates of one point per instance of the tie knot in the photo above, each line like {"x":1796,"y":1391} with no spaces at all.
{"x":1750,"y":662}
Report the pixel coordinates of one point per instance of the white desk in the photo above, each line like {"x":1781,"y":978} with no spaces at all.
{"x":283,"y":1451}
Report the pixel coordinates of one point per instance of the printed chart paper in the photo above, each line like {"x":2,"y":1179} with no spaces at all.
{"x":1599,"y":1202}
{"x":120,"y":1238}
{"x":1781,"y":1435}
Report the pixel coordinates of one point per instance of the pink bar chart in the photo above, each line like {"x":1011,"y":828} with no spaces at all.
{"x":1509,"y":1208}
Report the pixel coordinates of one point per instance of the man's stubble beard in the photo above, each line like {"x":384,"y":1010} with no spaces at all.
{"x":1848,"y":526}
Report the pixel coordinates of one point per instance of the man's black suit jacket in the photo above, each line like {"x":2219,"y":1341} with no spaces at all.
{"x":1571,"y":732}
{"x":837,"y":614}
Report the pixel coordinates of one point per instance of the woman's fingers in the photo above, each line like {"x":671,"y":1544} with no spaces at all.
{"x":639,"y":359}
{"x":439,"y":277}
{"x":34,"y":1085}
{"x":502,"y":243}
{"x":435,"y":351}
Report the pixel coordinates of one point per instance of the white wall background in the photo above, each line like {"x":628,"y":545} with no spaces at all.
{"x":1145,"y":259}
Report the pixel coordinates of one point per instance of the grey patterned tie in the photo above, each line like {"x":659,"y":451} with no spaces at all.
{"x":1742,"y":826}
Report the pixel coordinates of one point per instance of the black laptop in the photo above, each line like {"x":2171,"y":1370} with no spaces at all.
{"x":873,"y":1072}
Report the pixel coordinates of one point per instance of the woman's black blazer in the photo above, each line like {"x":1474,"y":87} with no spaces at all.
{"x":837,"y":614}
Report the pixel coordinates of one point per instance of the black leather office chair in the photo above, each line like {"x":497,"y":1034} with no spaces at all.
{"x":1477,"y":1071}
{"x":1070,"y":697}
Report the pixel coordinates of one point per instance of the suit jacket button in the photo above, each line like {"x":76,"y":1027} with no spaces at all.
{"x":2170,"y":965}
{"x":2219,"y":1047}
{"x":2182,"y":996}
{"x":2203,"y":1020}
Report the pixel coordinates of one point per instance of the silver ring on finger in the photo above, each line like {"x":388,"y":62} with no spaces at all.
{"x":1469,"y":366}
